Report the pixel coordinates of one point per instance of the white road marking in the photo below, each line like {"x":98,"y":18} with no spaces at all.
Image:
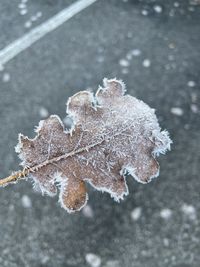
{"x":19,"y":45}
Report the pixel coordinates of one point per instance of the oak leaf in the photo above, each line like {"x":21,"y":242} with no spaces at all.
{"x":112,"y":134}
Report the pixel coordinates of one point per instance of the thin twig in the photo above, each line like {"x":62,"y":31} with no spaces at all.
{"x":13,"y":178}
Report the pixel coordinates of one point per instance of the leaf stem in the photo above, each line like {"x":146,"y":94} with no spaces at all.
{"x":13,"y":178}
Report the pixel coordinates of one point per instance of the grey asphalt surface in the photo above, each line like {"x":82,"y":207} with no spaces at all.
{"x":77,"y":56}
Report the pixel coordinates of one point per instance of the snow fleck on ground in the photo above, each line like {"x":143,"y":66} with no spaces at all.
{"x":93,"y":260}
{"x":166,"y":242}
{"x":191,"y":83}
{"x":43,"y":112}
{"x":158,"y":9}
{"x":6,"y":77}
{"x":26,"y":201}
{"x":146,"y":63}
{"x":22,"y":5}
{"x":23,"y":12}
{"x":144,"y":12}
{"x":136,"y":52}
{"x":88,"y":212}
{"x":189,"y":211}
{"x":45,"y":259}
{"x":39,"y":14}
{"x":124,"y":63}
{"x":28,"y":24}
{"x":125,"y":71}
{"x":176,"y":4}
{"x":165,"y":214}
{"x":133,"y":53}
{"x":194,"y":108}
{"x":177,"y":111}
{"x":136,"y":214}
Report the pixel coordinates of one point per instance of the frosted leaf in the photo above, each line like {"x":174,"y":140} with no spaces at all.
{"x":112,"y":135}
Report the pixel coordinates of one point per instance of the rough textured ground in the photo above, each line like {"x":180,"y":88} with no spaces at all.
{"x":34,"y":230}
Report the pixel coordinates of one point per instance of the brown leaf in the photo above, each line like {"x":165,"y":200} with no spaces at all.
{"x":112,"y":134}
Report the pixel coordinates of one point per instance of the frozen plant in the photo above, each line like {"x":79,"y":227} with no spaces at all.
{"x":112,"y":135}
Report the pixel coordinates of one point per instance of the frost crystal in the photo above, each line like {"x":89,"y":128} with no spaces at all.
{"x":112,"y":134}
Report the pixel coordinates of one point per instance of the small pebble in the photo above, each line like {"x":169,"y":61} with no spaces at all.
{"x":6,"y":77}
{"x":136,"y":214}
{"x":177,"y":111}
{"x":93,"y":260}
{"x":26,"y":202}
{"x":191,"y":83}
{"x":124,"y":63}
{"x":146,"y":63}
{"x":165,"y":214}
{"x":158,"y":9}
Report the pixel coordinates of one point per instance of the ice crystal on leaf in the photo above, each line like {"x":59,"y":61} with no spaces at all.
{"x":112,"y":134}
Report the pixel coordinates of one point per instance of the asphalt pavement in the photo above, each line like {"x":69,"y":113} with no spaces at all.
{"x":154,"y":47}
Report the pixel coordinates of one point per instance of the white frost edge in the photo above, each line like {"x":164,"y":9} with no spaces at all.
{"x":113,"y":195}
{"x":131,"y":171}
{"x":106,"y":82}
{"x":164,"y":142}
{"x":38,"y":186}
